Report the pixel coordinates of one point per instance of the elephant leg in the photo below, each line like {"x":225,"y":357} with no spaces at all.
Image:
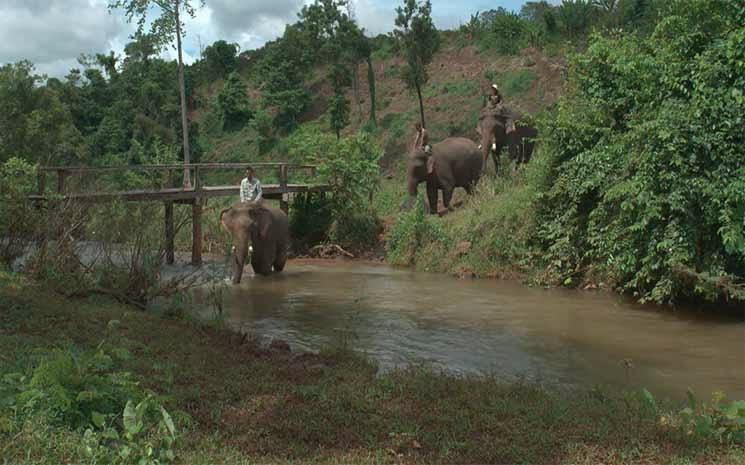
{"x":495,"y":156}
{"x":447,"y":194}
{"x":260,"y":265}
{"x":239,"y":261}
{"x":259,"y":261}
{"x":280,"y":257}
{"x":432,"y":197}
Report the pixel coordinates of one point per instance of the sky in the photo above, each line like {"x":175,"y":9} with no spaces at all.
{"x":53,"y":33}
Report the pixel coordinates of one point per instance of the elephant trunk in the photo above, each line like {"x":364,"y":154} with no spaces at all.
{"x":412,"y":190}
{"x":239,"y":261}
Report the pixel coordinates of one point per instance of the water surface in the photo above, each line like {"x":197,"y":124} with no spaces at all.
{"x":399,"y":317}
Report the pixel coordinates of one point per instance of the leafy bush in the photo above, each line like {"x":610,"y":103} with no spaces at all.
{"x":75,"y":389}
{"x":87,"y":392}
{"x":311,"y":217}
{"x":357,"y":229}
{"x":719,"y":420}
{"x":18,"y":219}
{"x":647,"y":159}
{"x":147,"y":436}
{"x":232,"y":103}
{"x":508,"y":32}
{"x":350,"y":165}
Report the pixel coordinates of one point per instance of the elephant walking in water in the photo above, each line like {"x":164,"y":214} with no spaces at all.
{"x":454,"y":162}
{"x":267,"y":229}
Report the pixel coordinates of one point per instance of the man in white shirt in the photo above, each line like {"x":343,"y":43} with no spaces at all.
{"x":250,"y":187}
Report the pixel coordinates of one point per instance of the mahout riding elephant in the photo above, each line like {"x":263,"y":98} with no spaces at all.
{"x":454,"y":162}
{"x":495,"y":129}
{"x":268,"y":231}
{"x":521,"y":142}
{"x":498,"y":129}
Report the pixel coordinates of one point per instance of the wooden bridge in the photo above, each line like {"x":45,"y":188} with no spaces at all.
{"x":164,"y":189}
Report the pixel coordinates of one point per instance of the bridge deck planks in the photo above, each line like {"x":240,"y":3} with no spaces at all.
{"x":181,"y":194}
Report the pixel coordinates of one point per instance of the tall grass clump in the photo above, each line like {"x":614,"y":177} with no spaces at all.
{"x":413,"y":234}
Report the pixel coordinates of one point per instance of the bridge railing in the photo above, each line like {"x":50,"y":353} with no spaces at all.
{"x":169,"y":173}
{"x":167,"y":191}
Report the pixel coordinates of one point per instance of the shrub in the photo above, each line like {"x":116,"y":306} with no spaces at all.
{"x":311,"y":217}
{"x":75,"y":389}
{"x":18,"y":218}
{"x":357,"y":229}
{"x":232,"y":103}
{"x":647,"y":159}
{"x":351,"y":167}
{"x":508,"y":32}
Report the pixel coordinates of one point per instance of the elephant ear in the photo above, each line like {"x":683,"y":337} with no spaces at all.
{"x":430,"y":165}
{"x":226,"y":218}
{"x":261,"y":217}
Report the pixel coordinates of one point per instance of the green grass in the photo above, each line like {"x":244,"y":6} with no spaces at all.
{"x":515,"y":83}
{"x":462,"y":88}
{"x":236,"y":402}
{"x":498,"y":222}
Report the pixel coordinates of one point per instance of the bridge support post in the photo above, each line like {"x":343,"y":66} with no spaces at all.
{"x":196,"y":232}
{"x":284,"y":202}
{"x":169,"y":233}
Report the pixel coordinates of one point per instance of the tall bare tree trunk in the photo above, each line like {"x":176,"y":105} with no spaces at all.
{"x":182,"y":91}
{"x":356,"y":90}
{"x":371,"y":84}
{"x":421,"y":105}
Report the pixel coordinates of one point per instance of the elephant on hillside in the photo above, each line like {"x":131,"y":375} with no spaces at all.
{"x":454,"y":162}
{"x":268,"y":231}
{"x":521,"y":142}
{"x":499,"y":129}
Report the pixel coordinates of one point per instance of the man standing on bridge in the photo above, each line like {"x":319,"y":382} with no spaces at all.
{"x":250,"y":187}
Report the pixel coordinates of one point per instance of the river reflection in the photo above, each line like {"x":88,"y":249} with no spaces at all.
{"x":400,"y":317}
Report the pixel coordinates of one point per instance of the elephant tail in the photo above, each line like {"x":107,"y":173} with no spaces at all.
{"x":222,"y":222}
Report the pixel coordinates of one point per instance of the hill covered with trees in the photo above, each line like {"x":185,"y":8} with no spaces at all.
{"x":636,"y":184}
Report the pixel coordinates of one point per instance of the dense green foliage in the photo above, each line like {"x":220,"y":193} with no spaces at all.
{"x":648,"y":158}
{"x":540,"y":23}
{"x":233,"y":104}
{"x":17,"y":223}
{"x":351,"y":166}
{"x":638,"y":182}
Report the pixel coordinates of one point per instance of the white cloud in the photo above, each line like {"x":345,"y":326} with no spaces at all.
{"x":52,"y":33}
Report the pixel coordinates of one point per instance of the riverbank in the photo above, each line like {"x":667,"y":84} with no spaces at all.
{"x":234,"y":401}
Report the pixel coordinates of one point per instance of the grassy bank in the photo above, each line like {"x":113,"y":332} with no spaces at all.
{"x":233,"y":401}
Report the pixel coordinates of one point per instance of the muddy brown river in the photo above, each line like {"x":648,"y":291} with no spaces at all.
{"x":400,"y":317}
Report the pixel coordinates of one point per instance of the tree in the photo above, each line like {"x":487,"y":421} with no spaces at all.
{"x":339,"y":114}
{"x":34,"y":124}
{"x":220,"y":59}
{"x":232,"y":103}
{"x":535,"y":11}
{"x":164,"y":28}
{"x":338,"y":39}
{"x":575,"y":16}
{"x":419,"y":41}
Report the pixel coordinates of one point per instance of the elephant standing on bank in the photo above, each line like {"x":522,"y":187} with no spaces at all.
{"x":498,"y":129}
{"x":521,"y":143}
{"x":268,"y":231}
{"x":454,"y":162}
